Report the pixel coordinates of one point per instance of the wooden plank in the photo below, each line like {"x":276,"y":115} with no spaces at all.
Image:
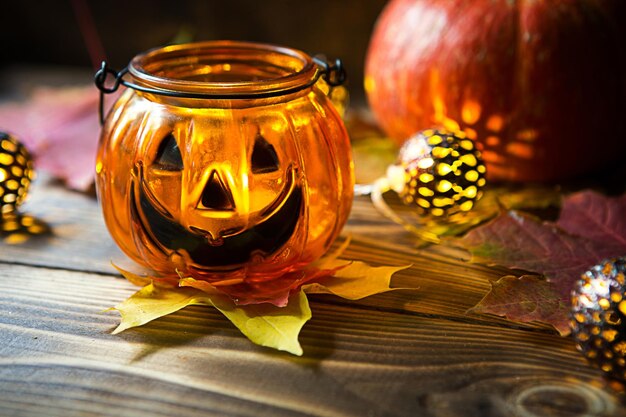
{"x":58,"y":358}
{"x":79,"y":241}
{"x":447,"y":285}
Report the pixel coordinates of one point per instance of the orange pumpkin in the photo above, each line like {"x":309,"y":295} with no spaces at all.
{"x":540,"y":84}
{"x":251,"y":180}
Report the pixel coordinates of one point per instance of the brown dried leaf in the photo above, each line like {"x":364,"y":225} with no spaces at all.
{"x":526,"y":299}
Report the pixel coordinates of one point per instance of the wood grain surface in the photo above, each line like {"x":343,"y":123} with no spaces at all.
{"x":404,"y":353}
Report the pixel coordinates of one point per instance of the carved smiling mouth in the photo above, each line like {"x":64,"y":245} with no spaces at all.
{"x":263,"y":239}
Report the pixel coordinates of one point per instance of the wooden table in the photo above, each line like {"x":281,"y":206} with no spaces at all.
{"x":403,"y":353}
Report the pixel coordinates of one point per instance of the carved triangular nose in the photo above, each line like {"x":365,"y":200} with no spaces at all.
{"x":216,"y":195}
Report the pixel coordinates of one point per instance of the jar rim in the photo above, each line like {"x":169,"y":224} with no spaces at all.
{"x":152,"y":69}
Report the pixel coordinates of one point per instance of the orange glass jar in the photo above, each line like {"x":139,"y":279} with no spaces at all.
{"x":224,"y":160}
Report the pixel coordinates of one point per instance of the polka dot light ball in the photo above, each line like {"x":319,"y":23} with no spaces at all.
{"x":438,"y":172}
{"x":16,"y":173}
{"x":598,"y":319}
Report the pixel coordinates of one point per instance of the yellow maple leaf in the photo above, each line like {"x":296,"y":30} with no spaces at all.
{"x":268,"y":325}
{"x":152,"y":302}
{"x":135,"y":279}
{"x":354,"y":280}
{"x":264,"y":323}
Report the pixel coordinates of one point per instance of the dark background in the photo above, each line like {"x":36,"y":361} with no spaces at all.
{"x":47,"y":34}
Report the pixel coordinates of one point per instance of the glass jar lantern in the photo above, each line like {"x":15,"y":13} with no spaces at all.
{"x":224,"y":160}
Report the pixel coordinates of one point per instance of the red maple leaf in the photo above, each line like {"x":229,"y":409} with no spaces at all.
{"x":60,"y":127}
{"x":591,"y":227}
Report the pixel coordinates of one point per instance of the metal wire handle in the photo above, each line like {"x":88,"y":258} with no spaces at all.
{"x":333,"y":73}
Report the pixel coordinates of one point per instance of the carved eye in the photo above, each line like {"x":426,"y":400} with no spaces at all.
{"x":168,"y":156}
{"x":264,"y":158}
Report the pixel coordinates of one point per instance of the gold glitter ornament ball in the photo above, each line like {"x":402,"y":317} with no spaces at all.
{"x":16,"y":173}
{"x":598,"y":319}
{"x":439,"y":172}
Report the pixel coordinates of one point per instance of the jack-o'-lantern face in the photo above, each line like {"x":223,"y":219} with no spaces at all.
{"x":236,"y":167}
{"x":215,"y":202}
